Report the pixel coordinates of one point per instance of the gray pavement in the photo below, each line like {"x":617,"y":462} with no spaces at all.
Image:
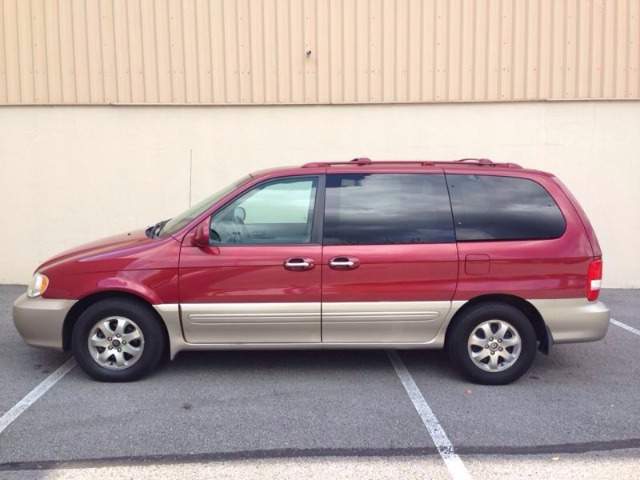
{"x":624,"y":304}
{"x":21,"y":369}
{"x":325,"y":414}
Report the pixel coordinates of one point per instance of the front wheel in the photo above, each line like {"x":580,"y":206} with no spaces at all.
{"x":492,"y":344}
{"x":117,"y":340}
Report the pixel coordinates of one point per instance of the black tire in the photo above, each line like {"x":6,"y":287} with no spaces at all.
{"x":502,"y":325}
{"x":126,"y":319}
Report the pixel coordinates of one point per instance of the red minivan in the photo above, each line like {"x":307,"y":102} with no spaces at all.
{"x":488,"y":260}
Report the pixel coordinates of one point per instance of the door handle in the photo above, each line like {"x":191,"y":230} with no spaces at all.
{"x":299,"y":263}
{"x":344,"y":263}
{"x":341,"y":263}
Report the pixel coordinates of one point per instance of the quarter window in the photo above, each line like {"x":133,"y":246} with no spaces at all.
{"x":377,"y":208}
{"x":274,"y":212}
{"x":487,"y":207}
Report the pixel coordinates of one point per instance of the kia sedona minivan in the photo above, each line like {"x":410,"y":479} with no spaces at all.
{"x":488,"y":260}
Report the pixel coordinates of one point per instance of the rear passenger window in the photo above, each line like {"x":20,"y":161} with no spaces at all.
{"x":489,"y":207}
{"x":370,"y":209}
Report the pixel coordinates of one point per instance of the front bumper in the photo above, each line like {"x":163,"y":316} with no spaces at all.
{"x":39,"y":320}
{"x":574,"y":320}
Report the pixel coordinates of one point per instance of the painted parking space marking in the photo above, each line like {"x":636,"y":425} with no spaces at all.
{"x":35,"y":394}
{"x":626,"y":327}
{"x":443,"y":444}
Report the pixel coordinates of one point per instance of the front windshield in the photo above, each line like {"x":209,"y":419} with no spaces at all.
{"x":182,"y":219}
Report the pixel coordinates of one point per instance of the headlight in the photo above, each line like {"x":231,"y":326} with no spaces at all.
{"x":38,"y":285}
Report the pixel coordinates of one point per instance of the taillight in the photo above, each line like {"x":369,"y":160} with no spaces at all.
{"x":594,"y":280}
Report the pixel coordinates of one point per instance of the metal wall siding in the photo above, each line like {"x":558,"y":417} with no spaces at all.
{"x":317,"y":51}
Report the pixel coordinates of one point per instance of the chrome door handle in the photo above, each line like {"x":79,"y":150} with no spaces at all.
{"x":299,"y":263}
{"x":302,"y":264}
{"x":342,"y":263}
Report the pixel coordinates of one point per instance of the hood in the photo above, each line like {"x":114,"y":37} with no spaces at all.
{"x":130,"y":241}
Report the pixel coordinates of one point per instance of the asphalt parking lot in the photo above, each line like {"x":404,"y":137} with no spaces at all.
{"x":319,"y":414}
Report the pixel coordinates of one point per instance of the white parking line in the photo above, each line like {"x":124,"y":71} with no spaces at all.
{"x":35,"y":394}
{"x":451,"y":459}
{"x":626,"y":327}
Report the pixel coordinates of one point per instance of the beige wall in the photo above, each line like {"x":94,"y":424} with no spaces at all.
{"x":72,"y":174}
{"x":361,"y":51}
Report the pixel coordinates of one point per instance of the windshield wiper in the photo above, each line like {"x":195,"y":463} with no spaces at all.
{"x":155,"y":230}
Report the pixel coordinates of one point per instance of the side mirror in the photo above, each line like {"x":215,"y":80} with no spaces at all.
{"x":201,"y":238}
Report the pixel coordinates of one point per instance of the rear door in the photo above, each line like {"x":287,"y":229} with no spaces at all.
{"x":389,"y":262}
{"x":258,"y":280}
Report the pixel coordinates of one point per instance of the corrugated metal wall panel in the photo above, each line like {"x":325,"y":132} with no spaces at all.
{"x":634,"y":49}
{"x":3,"y":60}
{"x":317,"y":51}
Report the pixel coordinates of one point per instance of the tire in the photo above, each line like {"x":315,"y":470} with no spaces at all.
{"x":117,"y":340}
{"x":492,"y":327}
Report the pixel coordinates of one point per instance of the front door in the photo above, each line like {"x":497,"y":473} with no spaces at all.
{"x":390,"y":262}
{"x":258,"y":280}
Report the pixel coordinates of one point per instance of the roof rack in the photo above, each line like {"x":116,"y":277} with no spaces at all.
{"x":361,"y":161}
{"x":481,"y":161}
{"x":368,"y":161}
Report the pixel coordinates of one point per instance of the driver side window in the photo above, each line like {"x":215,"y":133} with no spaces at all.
{"x":274,"y":212}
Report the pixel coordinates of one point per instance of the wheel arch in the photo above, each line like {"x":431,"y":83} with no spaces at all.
{"x":91,"y":299}
{"x":542,"y":332}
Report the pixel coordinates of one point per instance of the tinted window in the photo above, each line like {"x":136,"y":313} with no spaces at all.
{"x":386,"y":209}
{"x":489,"y":207}
{"x":274,"y":212}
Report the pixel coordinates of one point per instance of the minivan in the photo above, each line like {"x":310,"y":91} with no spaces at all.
{"x":488,"y":260}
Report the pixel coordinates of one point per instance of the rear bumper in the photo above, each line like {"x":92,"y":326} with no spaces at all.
{"x":574,"y":320}
{"x":39,"y":320}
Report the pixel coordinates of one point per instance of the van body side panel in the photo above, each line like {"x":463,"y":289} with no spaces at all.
{"x":553,"y":268}
{"x":526,"y":269}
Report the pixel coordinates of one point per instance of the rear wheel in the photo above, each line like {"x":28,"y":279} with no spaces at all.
{"x":492,"y":344}
{"x":117,"y":340}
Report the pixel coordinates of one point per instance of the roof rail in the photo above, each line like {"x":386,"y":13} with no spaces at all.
{"x":361,"y":161}
{"x":357,"y":161}
{"x":368,"y":161}
{"x":481,"y":161}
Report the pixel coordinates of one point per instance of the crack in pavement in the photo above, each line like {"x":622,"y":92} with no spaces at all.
{"x":565,"y":448}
